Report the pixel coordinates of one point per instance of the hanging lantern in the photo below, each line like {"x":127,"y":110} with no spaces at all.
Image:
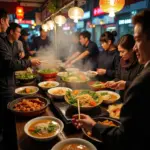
{"x":75,"y":13}
{"x":45,"y":27}
{"x":50,"y":24}
{"x":19,"y":13}
{"x":60,"y":20}
{"x":111,"y":6}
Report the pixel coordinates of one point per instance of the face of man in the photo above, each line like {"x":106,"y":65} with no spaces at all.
{"x":142,"y":45}
{"x":15,"y":34}
{"x":4,"y":23}
{"x":43,"y":34}
{"x":83,"y":40}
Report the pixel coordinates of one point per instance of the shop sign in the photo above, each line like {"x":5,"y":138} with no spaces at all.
{"x":98,"y":11}
{"x":125,"y":21}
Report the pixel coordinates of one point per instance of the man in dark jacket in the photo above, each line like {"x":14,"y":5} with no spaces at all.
{"x":41,"y":41}
{"x":134,"y":131}
{"x":8,"y":64}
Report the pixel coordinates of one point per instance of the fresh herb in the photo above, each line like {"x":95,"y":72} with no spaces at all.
{"x":51,"y":127}
{"x":37,"y":130}
{"x":104,"y":93}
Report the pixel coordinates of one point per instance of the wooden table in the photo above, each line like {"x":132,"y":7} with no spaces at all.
{"x":26,"y":143}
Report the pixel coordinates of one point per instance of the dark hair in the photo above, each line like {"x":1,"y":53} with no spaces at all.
{"x":3,"y":13}
{"x":106,"y":36}
{"x":127,"y":42}
{"x":86,"y":34}
{"x":12,"y":26}
{"x":142,"y":18}
{"x":41,"y":28}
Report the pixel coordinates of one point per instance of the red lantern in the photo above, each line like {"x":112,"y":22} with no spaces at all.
{"x":19,"y":13}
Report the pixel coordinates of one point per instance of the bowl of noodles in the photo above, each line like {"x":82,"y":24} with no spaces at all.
{"x":87,"y":99}
{"x":58,"y":92}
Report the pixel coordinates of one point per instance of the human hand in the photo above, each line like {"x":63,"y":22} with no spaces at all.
{"x":85,"y":121}
{"x":101,"y":71}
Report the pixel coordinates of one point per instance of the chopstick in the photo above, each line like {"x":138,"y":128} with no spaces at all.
{"x":78,"y":109}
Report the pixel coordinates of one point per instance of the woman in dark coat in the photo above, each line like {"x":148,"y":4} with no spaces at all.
{"x":128,"y":68}
{"x":108,"y":59}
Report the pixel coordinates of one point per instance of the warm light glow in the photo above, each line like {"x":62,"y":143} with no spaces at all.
{"x":45,"y":27}
{"x":50,"y":24}
{"x":111,"y":6}
{"x":33,"y":27}
{"x":75,"y":13}
{"x":60,"y":20}
{"x":19,"y":13}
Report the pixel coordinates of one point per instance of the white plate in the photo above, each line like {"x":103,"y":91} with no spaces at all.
{"x":60,"y":144}
{"x":109,"y":101}
{"x":50,"y":91}
{"x":36,"y":89}
{"x":28,"y":124}
{"x":51,"y":82}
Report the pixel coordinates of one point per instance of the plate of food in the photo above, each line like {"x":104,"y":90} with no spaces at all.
{"x":74,"y":144}
{"x":104,"y":121}
{"x":76,"y":77}
{"x":58,"y":92}
{"x":109,"y":97}
{"x":91,"y":73}
{"x":25,"y":76}
{"x":48,"y":84}
{"x":48,"y":73}
{"x":114,"y":110}
{"x":43,"y":128}
{"x":28,"y":106}
{"x":96,"y":85}
{"x":87,"y":99}
{"x":26,"y":90}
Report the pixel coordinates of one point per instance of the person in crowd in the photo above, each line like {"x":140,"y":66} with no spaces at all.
{"x":108,"y":59}
{"x":41,"y":41}
{"x":8,"y":64}
{"x":129,"y":66}
{"x":90,"y":52}
{"x":133,"y":132}
{"x":23,"y":39}
{"x":76,"y":48}
{"x":21,"y":49}
{"x":13,"y":34}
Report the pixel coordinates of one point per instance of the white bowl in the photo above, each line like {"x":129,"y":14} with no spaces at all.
{"x":92,"y":74}
{"x":36,"y":89}
{"x":50,"y":91}
{"x":72,"y":69}
{"x":109,"y":101}
{"x":28,"y":124}
{"x":51,"y":82}
{"x":62,"y":74}
{"x":61,"y":144}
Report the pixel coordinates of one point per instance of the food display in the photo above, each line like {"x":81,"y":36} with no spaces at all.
{"x":47,"y":71}
{"x":114,"y":110}
{"x":43,"y":128}
{"x":48,"y":84}
{"x":109,"y":96}
{"x":75,"y":147}
{"x":27,"y":90}
{"x":25,"y":76}
{"x":77,"y":77}
{"x":58,"y":92}
{"x":27,"y":105}
{"x":86,"y":98}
